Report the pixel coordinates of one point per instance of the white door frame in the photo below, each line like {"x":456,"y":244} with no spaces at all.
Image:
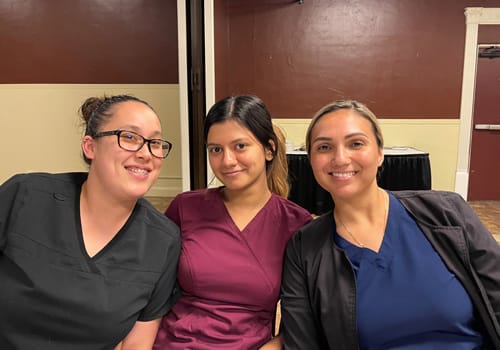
{"x":183,"y":94}
{"x":474,"y":17}
{"x":209,"y":72}
{"x":183,"y":83}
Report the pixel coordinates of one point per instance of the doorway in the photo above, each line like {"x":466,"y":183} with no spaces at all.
{"x":474,"y":17}
{"x":484,"y":170}
{"x":196,"y":98}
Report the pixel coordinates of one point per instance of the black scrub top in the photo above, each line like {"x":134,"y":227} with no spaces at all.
{"x":52,"y":294}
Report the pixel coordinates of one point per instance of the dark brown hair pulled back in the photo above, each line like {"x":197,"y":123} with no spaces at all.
{"x":95,"y":111}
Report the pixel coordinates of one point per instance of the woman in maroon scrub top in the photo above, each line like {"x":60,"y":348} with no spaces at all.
{"x":233,"y":236}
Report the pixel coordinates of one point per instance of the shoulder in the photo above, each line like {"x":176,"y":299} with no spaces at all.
{"x":47,"y":178}
{"x":197,"y":196}
{"x":431,"y":196}
{"x":315,"y":234}
{"x":194,"y":202}
{"x":435,"y":207}
{"x":196,"y":206}
{"x":64,"y":183}
{"x":286,"y":215}
{"x":320,"y":225}
{"x":156,"y":222}
{"x":290,"y":208}
{"x":312,"y":244}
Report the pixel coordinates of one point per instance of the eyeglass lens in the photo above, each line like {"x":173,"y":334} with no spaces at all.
{"x":131,"y":141}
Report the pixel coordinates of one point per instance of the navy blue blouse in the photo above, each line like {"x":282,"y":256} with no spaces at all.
{"x":406,"y":296}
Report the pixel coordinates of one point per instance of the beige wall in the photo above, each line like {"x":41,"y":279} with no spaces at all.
{"x":41,"y":129}
{"x":438,"y":137}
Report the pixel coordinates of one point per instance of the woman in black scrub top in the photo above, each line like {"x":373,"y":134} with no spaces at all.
{"x":85,"y":261}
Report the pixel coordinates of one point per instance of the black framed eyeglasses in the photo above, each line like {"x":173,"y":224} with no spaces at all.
{"x":131,"y":141}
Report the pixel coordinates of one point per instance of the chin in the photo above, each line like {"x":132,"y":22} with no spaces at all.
{"x":138,"y":192}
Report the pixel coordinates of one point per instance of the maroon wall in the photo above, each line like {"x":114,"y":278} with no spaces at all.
{"x":404,"y":58}
{"x":488,"y":34}
{"x":84,"y":41}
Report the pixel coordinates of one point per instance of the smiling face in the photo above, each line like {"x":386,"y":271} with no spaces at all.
{"x":344,"y":154}
{"x":124,"y":174}
{"x":236,"y":157}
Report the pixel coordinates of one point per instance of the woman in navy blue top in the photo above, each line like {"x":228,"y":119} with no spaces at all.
{"x":403,"y":270}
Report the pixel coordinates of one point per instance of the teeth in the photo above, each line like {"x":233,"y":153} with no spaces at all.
{"x":138,"y":171}
{"x":349,"y":174}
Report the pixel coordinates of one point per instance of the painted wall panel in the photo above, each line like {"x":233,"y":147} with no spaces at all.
{"x":403,"y":58}
{"x":88,"y":41}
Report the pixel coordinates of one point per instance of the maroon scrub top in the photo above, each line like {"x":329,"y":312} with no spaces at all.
{"x":230,"y":278}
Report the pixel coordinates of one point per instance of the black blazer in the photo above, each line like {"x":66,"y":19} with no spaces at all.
{"x":318,"y":290}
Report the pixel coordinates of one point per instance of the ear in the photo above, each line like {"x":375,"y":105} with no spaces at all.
{"x":381,"y":157}
{"x":270,"y":151}
{"x":88,"y":146}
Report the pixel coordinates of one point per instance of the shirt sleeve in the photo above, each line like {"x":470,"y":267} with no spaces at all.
{"x":172,"y":211}
{"x":9,"y":192}
{"x":484,"y":252}
{"x":298,"y":327}
{"x":166,"y":292}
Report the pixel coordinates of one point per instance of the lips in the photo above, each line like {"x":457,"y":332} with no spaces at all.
{"x":342,"y":174}
{"x":231,"y":173}
{"x":140,"y":171}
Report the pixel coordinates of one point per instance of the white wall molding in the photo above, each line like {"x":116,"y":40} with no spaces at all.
{"x":474,"y":16}
{"x":183,"y":95}
{"x":209,"y":72}
{"x":166,"y":187}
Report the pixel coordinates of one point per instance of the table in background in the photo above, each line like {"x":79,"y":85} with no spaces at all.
{"x":404,"y":168}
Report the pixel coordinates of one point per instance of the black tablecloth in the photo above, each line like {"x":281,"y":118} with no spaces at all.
{"x":398,"y":172}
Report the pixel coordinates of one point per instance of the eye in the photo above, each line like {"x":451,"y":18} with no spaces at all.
{"x":324,"y":147}
{"x":214,"y":149}
{"x":240,"y":146}
{"x":156,"y":143}
{"x":357,"y":144}
{"x":130,"y":137}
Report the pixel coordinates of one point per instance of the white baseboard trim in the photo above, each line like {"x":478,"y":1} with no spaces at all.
{"x":166,"y":187}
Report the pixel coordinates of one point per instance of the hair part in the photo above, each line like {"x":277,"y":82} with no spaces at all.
{"x":96,"y":111}
{"x":356,"y":106}
{"x":251,"y":113}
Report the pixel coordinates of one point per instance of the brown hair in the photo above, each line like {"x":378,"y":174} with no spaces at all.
{"x":354,"y":105}
{"x":277,"y":174}
{"x":95,"y":111}
{"x":250,"y":112}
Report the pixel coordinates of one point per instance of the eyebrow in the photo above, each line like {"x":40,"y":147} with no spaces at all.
{"x":348,"y":136}
{"x":321,"y":138}
{"x":240,"y":140}
{"x":156,"y":133}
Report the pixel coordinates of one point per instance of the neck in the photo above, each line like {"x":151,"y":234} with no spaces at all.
{"x":363,"y":221}
{"x":101,"y":207}
{"x":367,"y":205}
{"x":248,"y":198}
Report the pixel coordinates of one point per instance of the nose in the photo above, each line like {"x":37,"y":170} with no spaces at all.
{"x":143,"y":152}
{"x":341,"y":156}
{"x":228,"y":158}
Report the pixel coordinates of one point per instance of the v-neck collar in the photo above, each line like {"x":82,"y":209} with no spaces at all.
{"x":110,"y":244}
{"x":385,"y":255}
{"x":229,"y":218}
